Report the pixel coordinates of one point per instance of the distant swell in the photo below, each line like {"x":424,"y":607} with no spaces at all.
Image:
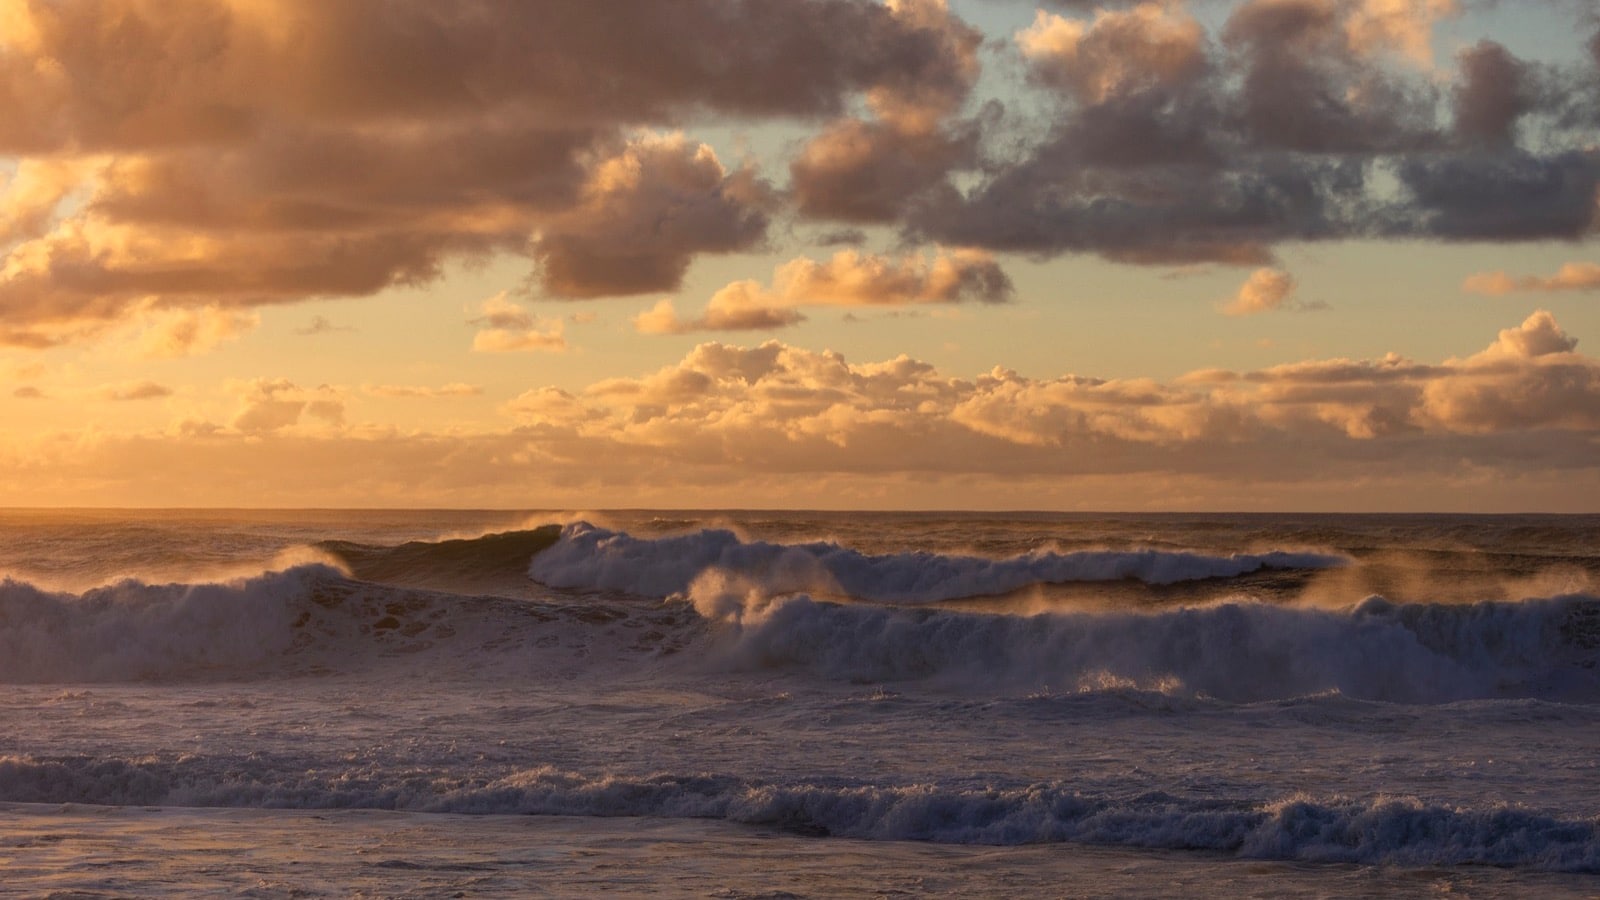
{"x":588,"y":557}
{"x":1239,"y":652}
{"x":1380,"y":830}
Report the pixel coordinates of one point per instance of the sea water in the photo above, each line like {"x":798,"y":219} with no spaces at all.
{"x":323,"y":703}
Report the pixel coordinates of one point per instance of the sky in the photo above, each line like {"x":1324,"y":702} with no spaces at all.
{"x":1164,"y":255}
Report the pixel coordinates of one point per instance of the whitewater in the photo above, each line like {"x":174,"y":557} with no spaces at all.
{"x":440,"y":703}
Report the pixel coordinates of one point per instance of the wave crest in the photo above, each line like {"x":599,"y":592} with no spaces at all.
{"x":1242,"y":652}
{"x":592,"y":558}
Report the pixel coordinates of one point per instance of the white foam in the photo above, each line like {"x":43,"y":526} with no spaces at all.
{"x":1376,"y":830}
{"x":593,"y":558}
{"x":1232,"y":651}
{"x":132,"y":630}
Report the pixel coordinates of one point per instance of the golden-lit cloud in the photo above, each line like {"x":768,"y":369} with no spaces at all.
{"x":508,"y":328}
{"x":421,"y":392}
{"x":170,"y":333}
{"x":1265,"y":291}
{"x":773,"y":423}
{"x":1573,"y":276}
{"x":272,"y":404}
{"x":1150,"y":45}
{"x":849,"y":278}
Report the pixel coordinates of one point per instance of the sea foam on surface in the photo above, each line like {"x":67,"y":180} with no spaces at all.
{"x":1389,"y":830}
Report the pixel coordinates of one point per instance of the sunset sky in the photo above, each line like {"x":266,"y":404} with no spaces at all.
{"x":1215,"y":254}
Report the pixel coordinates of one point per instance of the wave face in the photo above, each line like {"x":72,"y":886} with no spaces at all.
{"x":1402,"y":831}
{"x":480,"y":563}
{"x":1242,"y":652}
{"x":592,"y":558}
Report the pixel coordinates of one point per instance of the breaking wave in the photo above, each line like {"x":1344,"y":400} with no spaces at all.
{"x":592,"y":558}
{"x":1378,"y":830}
{"x":729,"y":608}
{"x":1239,"y":652}
{"x":309,"y":618}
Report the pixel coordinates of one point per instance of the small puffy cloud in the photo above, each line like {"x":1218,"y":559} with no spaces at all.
{"x":508,"y":328}
{"x":501,"y":340}
{"x":1267,"y":290}
{"x":28,"y":392}
{"x":272,"y":404}
{"x":1151,"y":45}
{"x":850,"y":278}
{"x":740,"y":306}
{"x":172,"y":333}
{"x":135,"y":390}
{"x":424,"y":392}
{"x":1573,"y":276}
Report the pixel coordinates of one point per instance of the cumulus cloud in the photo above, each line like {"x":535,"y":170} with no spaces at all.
{"x":737,"y":307}
{"x":777,"y":423}
{"x":645,"y":214}
{"x":1265,"y":291}
{"x":869,"y":169}
{"x":1290,"y":123}
{"x":170,"y":333}
{"x":508,"y":328}
{"x":781,"y":403}
{"x":1269,"y":290}
{"x":227,"y":155}
{"x":238,"y":154}
{"x":849,"y":278}
{"x":272,"y":404}
{"x":1573,"y":276}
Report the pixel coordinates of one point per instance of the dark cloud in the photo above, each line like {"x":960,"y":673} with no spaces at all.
{"x":1508,"y":196}
{"x":1309,"y":85}
{"x":645,"y":215}
{"x":866,"y":172}
{"x":1169,"y":148}
{"x":1492,"y":94}
{"x":133,"y":74}
{"x":237,"y":154}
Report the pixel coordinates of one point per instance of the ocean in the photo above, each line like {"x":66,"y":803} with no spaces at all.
{"x":775,"y":704}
